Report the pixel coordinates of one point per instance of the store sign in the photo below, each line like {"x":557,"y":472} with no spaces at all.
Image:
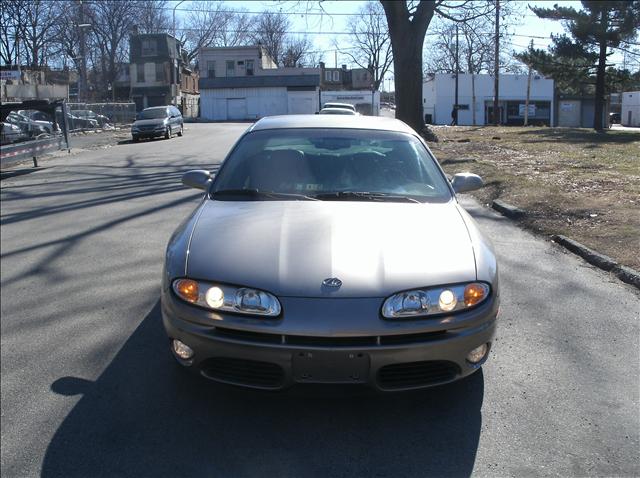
{"x":9,"y":74}
{"x":521,"y":109}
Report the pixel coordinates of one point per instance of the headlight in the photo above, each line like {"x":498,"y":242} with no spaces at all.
{"x":243,"y":300}
{"x":435,"y":300}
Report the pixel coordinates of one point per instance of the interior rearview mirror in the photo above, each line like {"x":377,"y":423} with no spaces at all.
{"x":197,"y":178}
{"x":464,"y":182}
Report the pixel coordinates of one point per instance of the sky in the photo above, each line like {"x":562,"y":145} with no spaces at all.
{"x":327,"y":24}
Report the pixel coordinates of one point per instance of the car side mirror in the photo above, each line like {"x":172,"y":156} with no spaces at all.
{"x":463,"y":182}
{"x":198,"y":178}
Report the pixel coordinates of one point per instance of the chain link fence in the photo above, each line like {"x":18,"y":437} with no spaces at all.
{"x":83,"y":116}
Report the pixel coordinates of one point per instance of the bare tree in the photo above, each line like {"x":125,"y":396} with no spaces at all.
{"x":271,"y":33}
{"x":370,"y":42}
{"x":204,"y":26}
{"x":408,"y":23}
{"x":11,"y":26}
{"x":112,"y":22}
{"x":296,"y":52}
{"x":153,"y":16}
{"x":238,"y":29}
{"x":27,"y":33}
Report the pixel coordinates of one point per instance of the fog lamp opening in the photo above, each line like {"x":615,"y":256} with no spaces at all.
{"x":478,"y":354}
{"x":181,"y":349}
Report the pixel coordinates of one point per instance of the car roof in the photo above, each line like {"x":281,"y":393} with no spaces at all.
{"x":331,"y":121}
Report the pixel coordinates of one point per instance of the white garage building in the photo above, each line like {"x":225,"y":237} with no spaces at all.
{"x":475,"y":99}
{"x":630,"y":111}
{"x":243,"y":83}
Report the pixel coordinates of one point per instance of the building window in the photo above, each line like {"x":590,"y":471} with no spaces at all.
{"x":231,"y":68}
{"x":249,"y":67}
{"x":211,"y":69}
{"x":336,"y":76}
{"x":140,"y":75}
{"x":327,"y":76}
{"x":160,"y":75}
{"x":149,"y":48}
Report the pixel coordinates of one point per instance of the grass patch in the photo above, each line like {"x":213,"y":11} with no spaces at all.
{"x":571,"y":181}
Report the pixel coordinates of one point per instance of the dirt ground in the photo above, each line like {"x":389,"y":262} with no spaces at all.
{"x":576,"y":182}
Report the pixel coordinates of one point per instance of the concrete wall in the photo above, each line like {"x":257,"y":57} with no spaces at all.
{"x":24,"y":92}
{"x":223,"y":104}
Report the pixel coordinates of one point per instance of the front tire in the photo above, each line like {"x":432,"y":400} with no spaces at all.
{"x":167,"y":133}
{"x":181,"y":132}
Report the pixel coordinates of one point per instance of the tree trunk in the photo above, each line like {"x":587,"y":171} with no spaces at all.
{"x":407,"y":36}
{"x":600,"y":76}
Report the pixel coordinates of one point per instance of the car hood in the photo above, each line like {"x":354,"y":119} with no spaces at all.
{"x":289,"y":247}
{"x":147,"y":122}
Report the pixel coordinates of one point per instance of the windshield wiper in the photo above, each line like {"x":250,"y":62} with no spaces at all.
{"x":363,"y":196}
{"x":258,"y":194}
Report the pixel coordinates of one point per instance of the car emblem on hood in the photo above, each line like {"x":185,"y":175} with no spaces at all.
{"x":333,"y":282}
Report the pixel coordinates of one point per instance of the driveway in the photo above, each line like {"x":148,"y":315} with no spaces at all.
{"x":89,"y":387}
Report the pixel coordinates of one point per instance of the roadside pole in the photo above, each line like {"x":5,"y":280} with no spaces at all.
{"x":496,"y":69}
{"x":526,"y":103}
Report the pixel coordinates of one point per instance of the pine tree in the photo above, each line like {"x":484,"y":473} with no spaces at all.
{"x":594,"y":30}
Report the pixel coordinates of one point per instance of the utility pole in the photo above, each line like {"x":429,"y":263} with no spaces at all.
{"x":455,"y":106}
{"x":496,"y":69}
{"x":82,"y":80}
{"x":335,"y":58}
{"x":526,"y":103}
{"x":174,"y":17}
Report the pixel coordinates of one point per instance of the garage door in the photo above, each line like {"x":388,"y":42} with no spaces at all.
{"x":301,"y":106}
{"x":237,"y":108}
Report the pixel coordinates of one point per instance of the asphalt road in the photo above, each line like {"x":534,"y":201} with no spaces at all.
{"x":89,"y":387}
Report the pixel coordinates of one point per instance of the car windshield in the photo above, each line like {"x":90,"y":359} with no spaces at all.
{"x":153,"y":114}
{"x":330,"y":164}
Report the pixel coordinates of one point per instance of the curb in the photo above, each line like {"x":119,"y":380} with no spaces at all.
{"x":625,"y":274}
{"x":606,"y":263}
{"x":508,"y":210}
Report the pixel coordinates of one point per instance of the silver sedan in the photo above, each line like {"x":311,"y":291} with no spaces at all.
{"x":330,"y":249}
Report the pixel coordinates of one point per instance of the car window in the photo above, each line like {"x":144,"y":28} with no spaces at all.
{"x":312,"y":161}
{"x":153,"y":114}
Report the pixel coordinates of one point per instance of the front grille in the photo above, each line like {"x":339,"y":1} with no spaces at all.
{"x":244,"y":372}
{"x":411,"y":338}
{"x":248,"y":336}
{"x":416,"y":374}
{"x":318,"y":341}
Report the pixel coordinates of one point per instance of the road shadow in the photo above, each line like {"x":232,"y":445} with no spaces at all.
{"x":144,"y":416}
{"x":579,"y":135}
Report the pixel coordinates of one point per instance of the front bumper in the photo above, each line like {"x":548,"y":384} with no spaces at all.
{"x":148,"y":134}
{"x":231,"y":349}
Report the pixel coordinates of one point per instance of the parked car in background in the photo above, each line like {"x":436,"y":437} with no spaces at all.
{"x":345,"y":106}
{"x":31,"y":129}
{"x":77,"y":123}
{"x":330,"y":250}
{"x":158,"y":121}
{"x":100,"y":120}
{"x":11,"y":133}
{"x":338,"y":111}
{"x":42,"y":119}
